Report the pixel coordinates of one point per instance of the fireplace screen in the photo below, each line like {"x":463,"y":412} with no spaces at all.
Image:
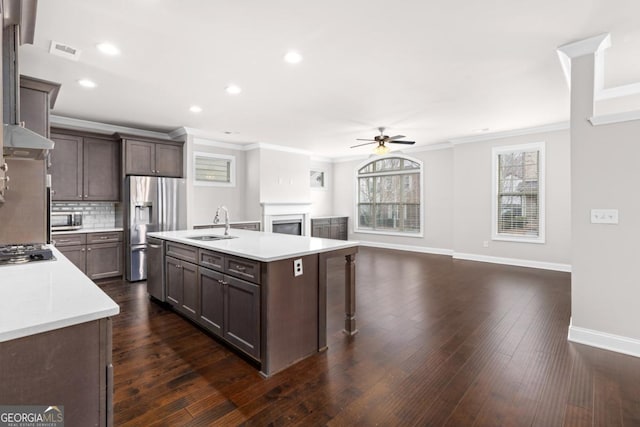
{"x":287,"y":227}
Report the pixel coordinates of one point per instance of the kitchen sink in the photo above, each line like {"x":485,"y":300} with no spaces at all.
{"x":209,"y":238}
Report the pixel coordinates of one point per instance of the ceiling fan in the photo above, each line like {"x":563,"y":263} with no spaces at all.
{"x":381,"y":140}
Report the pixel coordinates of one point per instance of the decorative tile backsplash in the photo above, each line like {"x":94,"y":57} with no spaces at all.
{"x":94,"y":214}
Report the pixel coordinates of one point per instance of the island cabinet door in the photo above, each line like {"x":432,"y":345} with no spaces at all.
{"x":189,"y":289}
{"x":173,"y":270}
{"x":211,"y":300}
{"x":242,"y":315}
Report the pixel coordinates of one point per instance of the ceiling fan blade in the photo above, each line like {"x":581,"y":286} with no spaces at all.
{"x":366,"y":143}
{"x":363,"y":139}
{"x":393,"y":138}
{"x":402,"y":142}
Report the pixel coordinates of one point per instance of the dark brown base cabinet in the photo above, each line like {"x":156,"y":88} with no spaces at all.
{"x":98,"y":255}
{"x":227,"y":306}
{"x":71,"y":367}
{"x":330,"y":227}
{"x":182,"y":286}
{"x":259,"y":308}
{"x":230,"y":308}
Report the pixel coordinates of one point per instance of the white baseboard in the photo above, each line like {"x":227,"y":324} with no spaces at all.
{"x":514,"y":261}
{"x":605,"y":341}
{"x":409,"y":248}
{"x":471,"y":257}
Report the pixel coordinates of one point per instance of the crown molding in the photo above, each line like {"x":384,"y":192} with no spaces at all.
{"x":552,"y":127}
{"x":218,"y":144}
{"x":104,"y":128}
{"x":608,"y":119}
{"x":618,"y":92}
{"x":274,"y":147}
{"x":586,"y":46}
{"x":592,"y":45}
{"x":321,"y":159}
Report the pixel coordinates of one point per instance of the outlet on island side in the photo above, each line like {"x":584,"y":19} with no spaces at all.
{"x":297,"y":267}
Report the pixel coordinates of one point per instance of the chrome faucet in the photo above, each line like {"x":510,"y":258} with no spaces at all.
{"x":216,"y":220}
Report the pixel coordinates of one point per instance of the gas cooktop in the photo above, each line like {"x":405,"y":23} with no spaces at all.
{"x":24,"y":252}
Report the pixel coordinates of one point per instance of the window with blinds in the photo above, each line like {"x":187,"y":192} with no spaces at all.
{"x":390,"y":196}
{"x":213,"y":169}
{"x":519,"y":193}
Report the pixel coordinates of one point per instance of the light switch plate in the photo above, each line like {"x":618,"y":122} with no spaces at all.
{"x":604,"y":216}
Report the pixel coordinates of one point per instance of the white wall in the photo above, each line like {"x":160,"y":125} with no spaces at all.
{"x":322,"y":198}
{"x":202,"y":201}
{"x":438,"y":201}
{"x":472,"y":191}
{"x":458,"y":199}
{"x":252,"y":189}
{"x":284,"y":176}
{"x":605,"y":174}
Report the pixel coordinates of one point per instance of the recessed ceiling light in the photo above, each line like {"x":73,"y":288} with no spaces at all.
{"x":293,"y":57}
{"x":195,"y":109}
{"x":87,"y":83}
{"x":108,"y":49}
{"x":481,"y":130}
{"x":233,"y":89}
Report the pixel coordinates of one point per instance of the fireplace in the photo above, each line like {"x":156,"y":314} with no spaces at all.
{"x":288,"y":218}
{"x":287,"y":226}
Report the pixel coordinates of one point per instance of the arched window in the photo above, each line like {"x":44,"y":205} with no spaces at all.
{"x":389,"y":199}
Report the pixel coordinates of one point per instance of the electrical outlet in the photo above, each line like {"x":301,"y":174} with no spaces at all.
{"x":604,"y":216}
{"x":297,"y":267}
{"x":485,"y":244}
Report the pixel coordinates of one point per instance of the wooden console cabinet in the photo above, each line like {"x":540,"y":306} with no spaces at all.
{"x":330,"y":227}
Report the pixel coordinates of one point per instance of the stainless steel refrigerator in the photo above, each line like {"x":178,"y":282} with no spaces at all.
{"x":153,"y":204}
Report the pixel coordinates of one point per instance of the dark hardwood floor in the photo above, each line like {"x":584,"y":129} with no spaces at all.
{"x":441,"y":342}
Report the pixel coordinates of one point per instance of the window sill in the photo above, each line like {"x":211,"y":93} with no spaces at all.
{"x":213,"y":184}
{"x":389,"y":233}
{"x":518,"y":239}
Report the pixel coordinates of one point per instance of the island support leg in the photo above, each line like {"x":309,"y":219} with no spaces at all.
{"x":350,"y":295}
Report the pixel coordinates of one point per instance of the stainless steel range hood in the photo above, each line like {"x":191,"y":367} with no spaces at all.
{"x":18,"y":27}
{"x":23,"y":143}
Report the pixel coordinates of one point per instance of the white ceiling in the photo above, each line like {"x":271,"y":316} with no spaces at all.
{"x":428,"y":69}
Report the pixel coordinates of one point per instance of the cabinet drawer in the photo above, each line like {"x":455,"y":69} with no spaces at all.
{"x":212,"y":260}
{"x":108,"y":237}
{"x":320,"y":222}
{"x":183,"y":252}
{"x":244,"y":268}
{"x":69,"y":239}
{"x":339,"y":220}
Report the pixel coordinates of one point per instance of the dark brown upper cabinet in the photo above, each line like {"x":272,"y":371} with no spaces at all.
{"x":37,"y":98}
{"x":84,"y":168}
{"x":145,"y":156}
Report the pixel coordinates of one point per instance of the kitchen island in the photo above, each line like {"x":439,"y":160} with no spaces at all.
{"x":262,"y":293}
{"x":55,"y":340}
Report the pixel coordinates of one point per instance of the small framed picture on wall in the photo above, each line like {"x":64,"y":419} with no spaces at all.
{"x":317,"y":179}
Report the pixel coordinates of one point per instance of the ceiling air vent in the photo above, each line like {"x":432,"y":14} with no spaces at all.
{"x":64,"y":50}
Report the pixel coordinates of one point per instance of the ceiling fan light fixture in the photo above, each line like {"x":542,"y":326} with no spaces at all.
{"x":382,"y":149}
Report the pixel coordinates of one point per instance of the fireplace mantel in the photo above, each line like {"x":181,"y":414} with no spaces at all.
{"x":278,"y":211}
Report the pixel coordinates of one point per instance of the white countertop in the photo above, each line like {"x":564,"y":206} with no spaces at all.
{"x":257,"y":245}
{"x":88,"y":230}
{"x":42,"y":296}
